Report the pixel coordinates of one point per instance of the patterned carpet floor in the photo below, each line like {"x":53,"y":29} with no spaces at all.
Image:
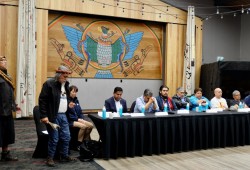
{"x":26,"y":140}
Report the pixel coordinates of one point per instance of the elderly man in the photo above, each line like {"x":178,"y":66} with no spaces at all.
{"x":234,"y":104}
{"x":53,"y":105}
{"x":116,"y":101}
{"x":180,"y":99}
{"x":218,"y":101}
{"x":146,"y":101}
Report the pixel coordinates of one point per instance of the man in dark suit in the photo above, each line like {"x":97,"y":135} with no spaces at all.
{"x":114,"y":103}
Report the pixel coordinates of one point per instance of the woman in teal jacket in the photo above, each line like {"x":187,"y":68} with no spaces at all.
{"x":197,"y":99}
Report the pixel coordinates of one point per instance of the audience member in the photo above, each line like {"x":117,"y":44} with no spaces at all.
{"x":218,"y":101}
{"x":147,"y":102}
{"x":53,"y":106}
{"x":76,"y":118}
{"x":116,"y":101}
{"x":180,"y":99}
{"x":7,"y":105}
{"x":164,"y":99}
{"x":234,"y":104}
{"x":197,"y":99}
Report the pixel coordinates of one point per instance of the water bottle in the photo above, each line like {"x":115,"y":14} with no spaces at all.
{"x":120,"y":111}
{"x":143,"y":109}
{"x":200,"y":108}
{"x":165,"y":107}
{"x":187,"y":106}
{"x":206,"y":106}
{"x":240,"y":105}
{"x":104,"y":112}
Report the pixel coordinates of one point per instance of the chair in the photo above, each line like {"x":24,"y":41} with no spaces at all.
{"x":132,"y":107}
{"x":41,"y":150}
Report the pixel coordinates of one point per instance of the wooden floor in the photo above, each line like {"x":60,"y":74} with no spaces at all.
{"x":224,"y":158}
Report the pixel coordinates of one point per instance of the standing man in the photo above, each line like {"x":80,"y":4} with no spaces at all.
{"x":115,"y":102}
{"x":180,"y":99}
{"x":53,"y":104}
{"x":164,"y":99}
{"x":7,"y":105}
{"x":218,"y":101}
{"x":147,"y":101}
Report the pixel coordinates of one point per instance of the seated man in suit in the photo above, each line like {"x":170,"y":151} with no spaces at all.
{"x":234,"y":104}
{"x":218,"y":101}
{"x":115,"y":102}
{"x":164,"y":99}
{"x":180,"y":99}
{"x":147,"y":102}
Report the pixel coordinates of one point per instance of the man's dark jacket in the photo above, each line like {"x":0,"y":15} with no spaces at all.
{"x":49,"y":98}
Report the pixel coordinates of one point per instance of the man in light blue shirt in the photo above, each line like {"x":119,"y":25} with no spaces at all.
{"x":147,"y":101}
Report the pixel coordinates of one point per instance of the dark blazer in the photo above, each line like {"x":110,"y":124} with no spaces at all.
{"x":49,"y":98}
{"x":161,"y":104}
{"x":110,"y":105}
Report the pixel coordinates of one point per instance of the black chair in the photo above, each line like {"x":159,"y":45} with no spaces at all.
{"x":132,"y":107}
{"x":41,"y":150}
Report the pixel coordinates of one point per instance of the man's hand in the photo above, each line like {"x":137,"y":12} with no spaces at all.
{"x":45,"y":120}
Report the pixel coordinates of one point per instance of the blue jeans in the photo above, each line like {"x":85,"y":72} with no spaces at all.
{"x":62,"y":134}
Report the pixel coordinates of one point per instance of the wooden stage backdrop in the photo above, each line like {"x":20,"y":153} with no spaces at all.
{"x":168,"y":27}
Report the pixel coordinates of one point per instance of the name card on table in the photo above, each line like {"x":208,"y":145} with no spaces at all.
{"x":161,"y":113}
{"x":109,"y":115}
{"x":137,"y":114}
{"x":244,"y":110}
{"x":211,"y":111}
{"x":183,"y":111}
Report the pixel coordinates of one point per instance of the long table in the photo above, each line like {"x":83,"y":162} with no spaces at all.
{"x":137,"y":136}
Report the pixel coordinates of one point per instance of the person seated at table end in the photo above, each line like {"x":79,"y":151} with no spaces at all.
{"x":180,"y":99}
{"x":234,"y":104}
{"x":76,"y":118}
{"x":218,"y":101}
{"x":164,"y":99}
{"x":146,"y":101}
{"x":116,"y":101}
{"x":197,"y":99}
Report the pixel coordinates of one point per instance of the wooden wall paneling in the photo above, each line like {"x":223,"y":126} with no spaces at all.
{"x":198,"y":51}
{"x":153,"y":10}
{"x":175,"y":43}
{"x":42,"y":49}
{"x":8,"y":37}
{"x":9,"y":2}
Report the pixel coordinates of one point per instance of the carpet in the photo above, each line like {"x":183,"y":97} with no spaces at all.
{"x":23,"y":148}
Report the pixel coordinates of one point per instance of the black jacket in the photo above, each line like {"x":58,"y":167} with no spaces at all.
{"x":49,"y":98}
{"x":7,"y":101}
{"x":180,"y":104}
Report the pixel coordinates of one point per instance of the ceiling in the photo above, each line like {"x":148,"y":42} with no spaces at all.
{"x":234,"y":4}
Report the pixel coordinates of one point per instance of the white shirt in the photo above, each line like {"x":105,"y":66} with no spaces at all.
{"x":63,"y":100}
{"x":218,"y":103}
{"x":117,"y":105}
